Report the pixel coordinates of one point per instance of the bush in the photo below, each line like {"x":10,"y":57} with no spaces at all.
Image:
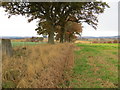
{"x":94,"y":42}
{"x":41,"y":39}
{"x":115,"y":41}
{"x":109,"y":42}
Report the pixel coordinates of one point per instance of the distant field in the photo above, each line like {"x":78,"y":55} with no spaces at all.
{"x":96,"y":66}
{"x":25,"y":43}
{"x":105,"y":44}
{"x":18,"y":43}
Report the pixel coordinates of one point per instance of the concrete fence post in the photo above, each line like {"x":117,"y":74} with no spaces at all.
{"x":7,"y":47}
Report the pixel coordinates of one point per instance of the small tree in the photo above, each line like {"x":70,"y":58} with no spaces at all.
{"x":71,"y":29}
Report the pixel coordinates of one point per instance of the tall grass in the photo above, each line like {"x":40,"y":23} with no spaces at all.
{"x":37,"y":66}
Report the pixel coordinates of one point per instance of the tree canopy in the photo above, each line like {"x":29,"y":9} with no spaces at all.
{"x":52,"y":14}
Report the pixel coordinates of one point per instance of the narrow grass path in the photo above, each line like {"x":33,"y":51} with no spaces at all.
{"x":96,"y":66}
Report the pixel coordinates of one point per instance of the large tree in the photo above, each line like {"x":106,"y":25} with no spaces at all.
{"x":52,"y":14}
{"x":34,"y":10}
{"x":80,"y":12}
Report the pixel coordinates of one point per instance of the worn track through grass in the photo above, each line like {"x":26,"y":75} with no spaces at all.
{"x":96,"y":66}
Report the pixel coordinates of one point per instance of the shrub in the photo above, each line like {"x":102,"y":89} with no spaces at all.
{"x":41,"y":39}
{"x":115,"y":41}
{"x":94,"y":42}
{"x":109,"y":42}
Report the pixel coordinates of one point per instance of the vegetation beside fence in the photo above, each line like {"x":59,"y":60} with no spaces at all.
{"x":37,"y":66}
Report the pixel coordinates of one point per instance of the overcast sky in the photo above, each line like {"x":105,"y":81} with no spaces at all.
{"x":18,"y":25}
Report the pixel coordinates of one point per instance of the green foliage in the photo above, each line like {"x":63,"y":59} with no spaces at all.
{"x":8,"y":84}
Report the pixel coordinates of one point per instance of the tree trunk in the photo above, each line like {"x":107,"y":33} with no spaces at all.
{"x":51,"y":37}
{"x":65,"y":39}
{"x":7,"y":47}
{"x":69,"y":39}
{"x":61,"y":38}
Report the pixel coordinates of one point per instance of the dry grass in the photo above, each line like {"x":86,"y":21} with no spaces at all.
{"x":39,"y":66}
{"x":18,"y":40}
{"x":26,"y":40}
{"x":78,"y":41}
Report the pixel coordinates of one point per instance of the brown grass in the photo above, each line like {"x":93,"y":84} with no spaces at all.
{"x":19,"y":40}
{"x":39,"y":66}
{"x":78,"y":41}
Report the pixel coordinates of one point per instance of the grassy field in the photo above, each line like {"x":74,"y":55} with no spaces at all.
{"x":96,"y":66}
